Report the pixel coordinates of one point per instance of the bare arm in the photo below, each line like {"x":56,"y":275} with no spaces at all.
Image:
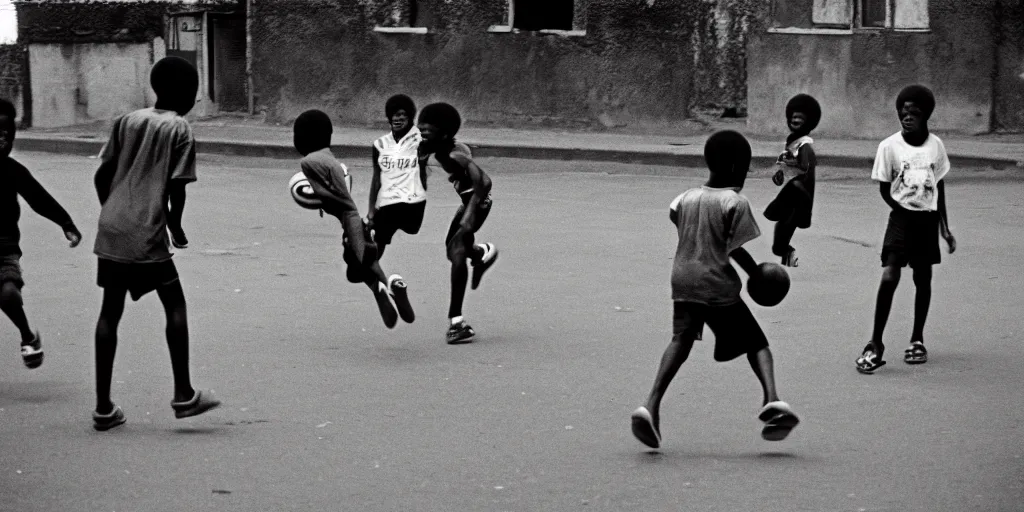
{"x":744,"y":260}
{"x":481,"y":188}
{"x":885,"y":189}
{"x":944,"y":219}
{"x":374,"y":185}
{"x":175,"y":210}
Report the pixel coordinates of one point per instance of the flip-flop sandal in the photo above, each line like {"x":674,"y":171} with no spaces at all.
{"x":199,"y":404}
{"x":104,"y":422}
{"x":779,"y":420}
{"x":643,"y":428}
{"x":870,"y":360}
{"x":916,"y":353}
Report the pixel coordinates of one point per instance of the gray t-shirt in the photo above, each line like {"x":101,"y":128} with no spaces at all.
{"x":151,"y":148}
{"x":712,"y":222}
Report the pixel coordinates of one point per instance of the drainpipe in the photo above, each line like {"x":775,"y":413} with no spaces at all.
{"x":248,"y":55}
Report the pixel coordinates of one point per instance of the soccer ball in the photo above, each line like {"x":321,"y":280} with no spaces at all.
{"x":769,"y":285}
{"x":302,"y":192}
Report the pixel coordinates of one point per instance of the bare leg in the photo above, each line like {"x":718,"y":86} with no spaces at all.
{"x":763,"y":365}
{"x":173,"y":299}
{"x":106,"y":345}
{"x":675,"y":354}
{"x":883,"y":305}
{"x":922,"y":300}
{"x":12,"y":304}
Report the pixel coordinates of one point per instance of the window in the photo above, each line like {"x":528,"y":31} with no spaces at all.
{"x":564,"y":17}
{"x":405,"y":17}
{"x":842,"y":16}
{"x":894,"y":14}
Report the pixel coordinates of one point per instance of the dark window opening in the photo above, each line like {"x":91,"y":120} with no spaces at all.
{"x":872,"y":13}
{"x":542,"y":14}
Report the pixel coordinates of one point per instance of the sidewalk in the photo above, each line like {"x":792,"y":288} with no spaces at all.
{"x":242,"y":137}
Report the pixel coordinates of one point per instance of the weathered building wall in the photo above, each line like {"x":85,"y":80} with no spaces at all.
{"x":645,"y":63}
{"x":83,"y":83}
{"x":12,"y":76}
{"x":857,"y":76}
{"x":1008,"y":105}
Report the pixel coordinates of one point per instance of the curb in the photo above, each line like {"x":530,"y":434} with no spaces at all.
{"x":92,"y":146}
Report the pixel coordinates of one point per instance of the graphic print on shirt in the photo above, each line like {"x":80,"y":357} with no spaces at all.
{"x":914,"y":183}
{"x":399,"y":163}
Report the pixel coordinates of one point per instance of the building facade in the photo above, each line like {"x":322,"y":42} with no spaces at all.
{"x":89,"y":61}
{"x":855,"y":55}
{"x":570,"y":63}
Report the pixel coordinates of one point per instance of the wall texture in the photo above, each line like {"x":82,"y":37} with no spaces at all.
{"x":100,"y":21}
{"x":645,"y":63}
{"x":12,"y":76}
{"x":1008,"y":112}
{"x":856,"y":77}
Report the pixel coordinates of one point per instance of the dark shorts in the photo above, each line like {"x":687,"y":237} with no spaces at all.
{"x":734,"y":326}
{"x":137,"y":278}
{"x":911,"y":238}
{"x":481,"y":215}
{"x":10,"y":269}
{"x":399,"y":216}
{"x":793,"y":204}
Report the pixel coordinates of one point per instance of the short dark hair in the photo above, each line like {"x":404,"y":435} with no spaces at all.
{"x":442,"y":115}
{"x":313,"y":130}
{"x":7,"y":109}
{"x":174,"y":79}
{"x":726,"y":151}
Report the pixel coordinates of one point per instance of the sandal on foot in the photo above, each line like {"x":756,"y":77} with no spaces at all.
{"x":199,"y":404}
{"x":32,"y":352}
{"x":104,"y":422}
{"x":790,"y":259}
{"x":644,"y":429}
{"x":779,"y":420}
{"x":870,"y":360}
{"x":916,"y":353}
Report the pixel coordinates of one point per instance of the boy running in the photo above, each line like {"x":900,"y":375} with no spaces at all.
{"x":17,"y":180}
{"x":141,"y":180}
{"x":438,"y":124}
{"x":330,"y":182}
{"x":713,"y":223}
{"x":909,"y":168}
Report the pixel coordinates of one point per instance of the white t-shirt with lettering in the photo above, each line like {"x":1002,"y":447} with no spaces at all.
{"x":399,"y":169}
{"x":913,"y":171}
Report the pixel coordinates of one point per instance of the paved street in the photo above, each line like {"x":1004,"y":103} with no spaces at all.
{"x":326,"y":409}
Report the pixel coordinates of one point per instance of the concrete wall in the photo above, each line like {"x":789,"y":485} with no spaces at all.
{"x":856,"y":77}
{"x":83,"y":83}
{"x":12,"y":76}
{"x":642,"y":63}
{"x":1008,"y":109}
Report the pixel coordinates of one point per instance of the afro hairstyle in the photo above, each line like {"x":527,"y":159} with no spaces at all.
{"x":175,"y":80}
{"x":313,"y":130}
{"x":726,"y":151}
{"x":809,"y":107}
{"x":400,"y":102}
{"x":920,"y":96}
{"x":443,"y":116}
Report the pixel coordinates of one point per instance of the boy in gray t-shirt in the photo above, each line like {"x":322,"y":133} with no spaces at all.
{"x":713,"y":223}
{"x":144,"y":169}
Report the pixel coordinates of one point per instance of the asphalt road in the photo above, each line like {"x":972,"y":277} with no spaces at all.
{"x":326,"y":409}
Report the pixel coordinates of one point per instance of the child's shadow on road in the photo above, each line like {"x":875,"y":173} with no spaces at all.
{"x":687,"y":459}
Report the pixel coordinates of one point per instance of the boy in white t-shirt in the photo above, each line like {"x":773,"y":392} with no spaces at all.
{"x":909,"y":166}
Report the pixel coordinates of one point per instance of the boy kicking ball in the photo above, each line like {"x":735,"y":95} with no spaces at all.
{"x":713,"y":223}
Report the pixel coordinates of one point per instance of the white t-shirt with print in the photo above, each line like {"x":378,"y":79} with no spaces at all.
{"x":913,"y":171}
